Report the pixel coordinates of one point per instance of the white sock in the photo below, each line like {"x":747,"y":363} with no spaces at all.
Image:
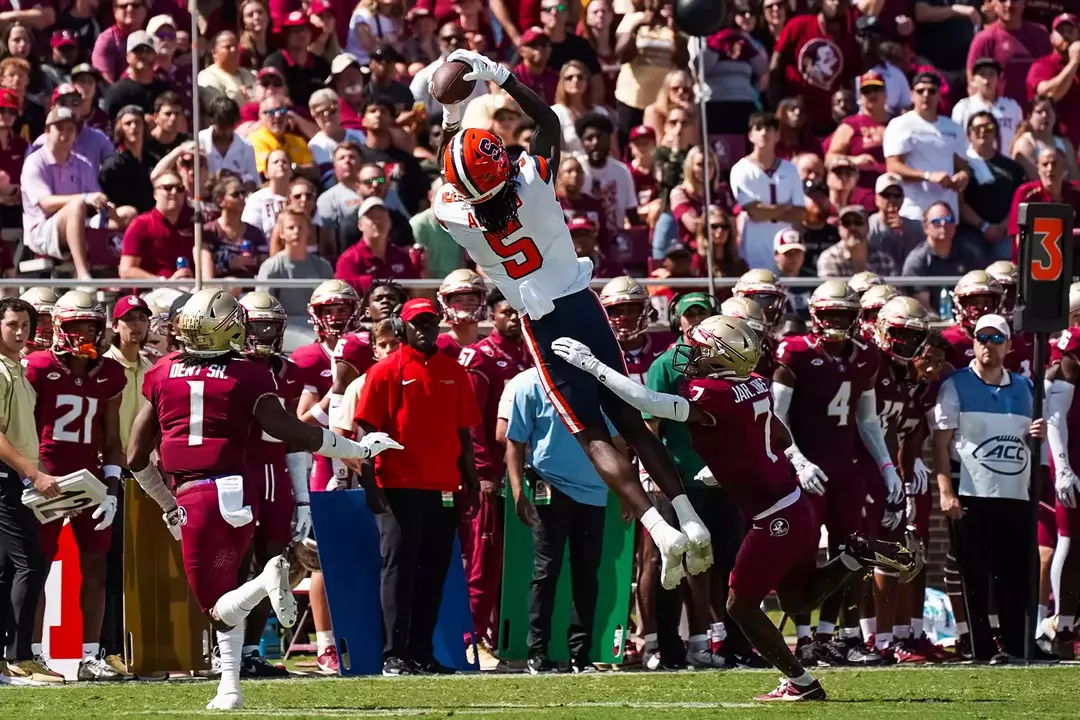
{"x":916,"y":627}
{"x":961,"y":629}
{"x":91,"y":650}
{"x":35,"y":649}
{"x":901,"y":632}
{"x":847,"y":633}
{"x":249,"y":650}
{"x":883,"y":640}
{"x":323,"y":640}
{"x":995,"y":622}
{"x":650,"y":641}
{"x":662,"y":534}
{"x":850,"y":562}
{"x":802,"y":631}
{"x":718,"y":631}
{"x":234,"y":606}
{"x":1039,"y":617}
{"x":804,"y":680}
{"x":1065,"y":622}
{"x":229,"y":644}
{"x":699,"y":642}
{"x":825,"y":628}
{"x":868,"y":626}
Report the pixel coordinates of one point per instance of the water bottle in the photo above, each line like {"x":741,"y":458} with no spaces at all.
{"x":418,"y":255}
{"x":182,"y":263}
{"x":270,"y":642}
{"x":245,"y":248}
{"x":945,"y":308}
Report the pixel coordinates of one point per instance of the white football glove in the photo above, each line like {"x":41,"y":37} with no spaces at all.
{"x":705,"y":476}
{"x":483,"y":68}
{"x":891,"y":519}
{"x":105,"y":512}
{"x":577,"y":354}
{"x":894,"y":489}
{"x":374,"y":443}
{"x":812,"y":479}
{"x":922,"y":477}
{"x":1066,"y":484}
{"x":301,"y":523}
{"x":172,"y":521}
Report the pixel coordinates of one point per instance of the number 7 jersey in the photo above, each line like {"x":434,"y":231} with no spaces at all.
{"x":536,"y":247}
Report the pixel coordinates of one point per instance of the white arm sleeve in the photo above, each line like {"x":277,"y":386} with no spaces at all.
{"x":870,"y":431}
{"x":299,"y":465}
{"x":1059,"y":397}
{"x":781,"y":398}
{"x":657,"y":404}
{"x":150,"y":481}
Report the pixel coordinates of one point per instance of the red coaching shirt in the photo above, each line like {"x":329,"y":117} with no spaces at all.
{"x":421,"y":402}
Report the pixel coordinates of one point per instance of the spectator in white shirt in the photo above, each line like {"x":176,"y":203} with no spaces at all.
{"x":226,"y":77}
{"x":769,"y":190}
{"x":927,"y":151}
{"x":869,"y":33}
{"x":451,"y":37}
{"x":224,"y":149}
{"x":985,"y":82}
{"x":264,"y":205}
{"x":325,"y":107}
{"x":606,"y":179}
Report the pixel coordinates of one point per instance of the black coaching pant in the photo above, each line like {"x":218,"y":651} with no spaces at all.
{"x":112,"y":625}
{"x":416,"y":539}
{"x":22,"y":566}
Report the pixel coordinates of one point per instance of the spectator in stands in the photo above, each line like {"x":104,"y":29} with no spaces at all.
{"x":814,"y":55}
{"x":226,"y":77}
{"x":843,"y":105}
{"x":325,"y":106}
{"x":869,"y":33}
{"x":86,"y":80}
{"x":795,"y":135}
{"x":442,"y":254}
{"x":927,"y":150}
{"x":774,"y":16}
{"x":569,"y":189}
{"x":451,"y":37}
{"x":790,"y":255}
{"x":810,"y":166}
{"x":859,"y":137}
{"x":138,"y":85}
{"x":1039,"y":132}
{"x":985,"y":96}
{"x":274,"y":135}
{"x":939,"y":255}
{"x":734,"y":67}
{"x":583,"y":234}
{"x":606,"y":179}
{"x":383,"y":81}
{"x":263,"y":205}
{"x":57,"y":188}
{"x":649,"y":47}
{"x":944,"y":30}
{"x":294,"y":261}
{"x":166,"y":135}
{"x":890,"y":232}
{"x":94,"y":145}
{"x":347,"y":80}
{"x":566,"y":46}
{"x":995,"y":178}
{"x":63,"y":56}
{"x":112,"y":47}
{"x":841,"y":180}
{"x":1014,"y":43}
{"x":818,"y":233}
{"x":14,"y":76}
{"x":372,"y":24}
{"x":17,"y":40}
{"x":269,"y":82}
{"x":301,"y":199}
{"x":1052,"y":186}
{"x":181,"y":162}
{"x":373,"y":182}
{"x":226,"y":234}
{"x":769,"y":190}
{"x":534,"y":71}
{"x":168,"y":66}
{"x":1054,"y":75}
{"x":642,"y":146}
{"x":853,"y":253}
{"x":156,"y":241}
{"x":224,"y":149}
{"x":598,"y":29}
{"x":573,"y":99}
{"x":324,"y":41}
{"x":687,"y":201}
{"x":421,"y":41}
{"x":676,"y":92}
{"x":339,"y":206}
{"x":402,"y":169}
{"x":374,"y":256}
{"x":255,"y":44}
{"x":125,"y":175}
{"x":721,"y":233}
{"x":12,"y":155}
{"x":303,"y":71}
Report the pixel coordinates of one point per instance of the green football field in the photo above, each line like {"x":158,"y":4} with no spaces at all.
{"x":922,"y":693}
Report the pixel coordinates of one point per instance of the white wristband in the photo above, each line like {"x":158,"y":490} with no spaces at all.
{"x":336,"y":446}
{"x":151,"y":482}
{"x":111,"y":471}
{"x":320,"y":415}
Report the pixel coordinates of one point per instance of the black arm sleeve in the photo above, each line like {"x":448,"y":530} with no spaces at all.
{"x":547,"y":139}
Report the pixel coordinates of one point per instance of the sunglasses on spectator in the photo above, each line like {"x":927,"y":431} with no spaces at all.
{"x":129,"y":6}
{"x":721,"y":226}
{"x":942,"y":221}
{"x":329,"y":110}
{"x":271,"y":81}
{"x":990,"y":338}
{"x":306,"y":195}
{"x":573,"y":78}
{"x":276,"y":112}
{"x":553,"y":8}
{"x":452,"y":38}
{"x":237,"y":194}
{"x":851,"y":221}
{"x":925,"y":90}
{"x":165,"y":35}
{"x":984,"y":127}
{"x":897,"y":195}
{"x":170,"y":187}
{"x":374,"y":181}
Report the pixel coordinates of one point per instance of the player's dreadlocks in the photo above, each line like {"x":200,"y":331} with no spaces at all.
{"x":501,"y":211}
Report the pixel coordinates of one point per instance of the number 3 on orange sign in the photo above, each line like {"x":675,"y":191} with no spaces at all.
{"x":515,"y":268}
{"x":1048,"y":231}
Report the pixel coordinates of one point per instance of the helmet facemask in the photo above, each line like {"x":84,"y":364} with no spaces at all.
{"x":628,"y":319}
{"x":903,"y":343}
{"x":79,"y":343}
{"x":334,"y":319}
{"x":265,"y":337}
{"x":972,"y":307}
{"x":463,"y":307}
{"x":771,"y":303}
{"x":833,"y":324}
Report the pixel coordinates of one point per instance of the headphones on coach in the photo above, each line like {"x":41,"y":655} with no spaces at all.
{"x":397,"y":325}
{"x":673,"y":313}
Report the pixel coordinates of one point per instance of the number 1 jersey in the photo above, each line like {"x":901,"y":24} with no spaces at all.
{"x":536,"y":247}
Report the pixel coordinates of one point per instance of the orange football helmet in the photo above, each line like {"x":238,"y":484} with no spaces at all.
{"x":477,"y":165}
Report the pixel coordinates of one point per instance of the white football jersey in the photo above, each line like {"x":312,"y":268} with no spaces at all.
{"x":536,"y":249}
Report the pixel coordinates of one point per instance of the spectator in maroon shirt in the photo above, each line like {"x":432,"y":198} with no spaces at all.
{"x":1051,"y":187}
{"x":155,"y":241}
{"x":583,"y":233}
{"x":569,"y":186}
{"x":533,"y":70}
{"x":1014,"y":43}
{"x":110,"y":50}
{"x":515,"y":16}
{"x":12,"y":152}
{"x":859,"y":137}
{"x":1054,"y":75}
{"x":35,"y":14}
{"x":795,"y":136}
{"x":841,"y":179}
{"x":255,"y":40}
{"x":642,"y":145}
{"x":374,"y":258}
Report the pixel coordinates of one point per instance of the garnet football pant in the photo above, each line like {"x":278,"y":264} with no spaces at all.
{"x":416,"y":539}
{"x":482,"y":548}
{"x":565,"y":520}
{"x":22,"y":564}
{"x":992,"y":550}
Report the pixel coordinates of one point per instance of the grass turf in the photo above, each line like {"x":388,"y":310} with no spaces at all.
{"x":909,"y":693}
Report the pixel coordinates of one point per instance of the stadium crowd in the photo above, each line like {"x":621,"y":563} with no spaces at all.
{"x":844,"y":140}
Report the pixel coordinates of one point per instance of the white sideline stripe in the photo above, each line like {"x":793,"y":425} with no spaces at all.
{"x":498,"y":708}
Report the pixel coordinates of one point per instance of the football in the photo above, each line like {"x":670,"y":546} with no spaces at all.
{"x":449,"y":85}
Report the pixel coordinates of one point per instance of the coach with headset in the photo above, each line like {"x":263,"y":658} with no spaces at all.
{"x":423,"y":400}
{"x":980,"y":423}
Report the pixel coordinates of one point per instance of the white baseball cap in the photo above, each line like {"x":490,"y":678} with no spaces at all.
{"x":788,"y":239}
{"x":886,"y":181}
{"x":994,"y":322}
{"x":369,"y":204}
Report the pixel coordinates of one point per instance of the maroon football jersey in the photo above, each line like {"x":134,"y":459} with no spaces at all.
{"x":962,"y":350}
{"x":767,"y":364}
{"x":738,"y":449}
{"x":290,"y":384}
{"x":206,"y":413}
{"x":867,"y":135}
{"x":491,"y":363}
{"x":446,"y":345}
{"x":1068,"y":343}
{"x":639,"y":361}
{"x":355,"y":349}
{"x":70,"y":410}
{"x":315,"y":366}
{"x":827,"y":390}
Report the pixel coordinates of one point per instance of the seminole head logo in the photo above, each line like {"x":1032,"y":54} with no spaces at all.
{"x":820,"y":63}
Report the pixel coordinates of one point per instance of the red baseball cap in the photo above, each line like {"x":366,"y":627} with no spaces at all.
{"x":9,"y":100}
{"x":295,"y":19}
{"x":642,"y":131}
{"x":533,"y":34}
{"x":63,"y":38}
{"x":64,"y":89}
{"x":1063,"y":19}
{"x":128,"y":303}
{"x":318,"y":7}
{"x":416,"y":307}
{"x":581,"y":223}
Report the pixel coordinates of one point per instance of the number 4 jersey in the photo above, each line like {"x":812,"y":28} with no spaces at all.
{"x":70,"y":410}
{"x":534,"y":250}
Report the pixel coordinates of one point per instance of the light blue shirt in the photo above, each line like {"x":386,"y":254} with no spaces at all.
{"x":553,"y":451}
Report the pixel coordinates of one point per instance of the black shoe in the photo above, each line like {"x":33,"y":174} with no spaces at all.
{"x":395,"y":666}
{"x":1044,"y":658}
{"x":807,"y":652}
{"x":1003,"y":658}
{"x":256,"y":666}
{"x":859,"y":654}
{"x":1064,"y":645}
{"x":878,"y":553}
{"x":580,"y":665}
{"x":540,"y":665}
{"x":749,"y":661}
{"x":430,"y":667}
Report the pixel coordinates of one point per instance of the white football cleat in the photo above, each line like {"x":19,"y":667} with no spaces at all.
{"x":226,"y":701}
{"x":672,"y":548}
{"x":276,"y":581}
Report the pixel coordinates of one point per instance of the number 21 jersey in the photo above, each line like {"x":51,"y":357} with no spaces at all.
{"x":536,"y":247}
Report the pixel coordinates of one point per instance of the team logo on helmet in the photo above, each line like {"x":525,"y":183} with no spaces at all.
{"x":76,"y":306}
{"x":761,"y":287}
{"x":454,"y":297}
{"x":628,"y":307}
{"x":719,"y":346}
{"x":476,"y":164}
{"x":834,"y":310}
{"x":212,"y":323}
{"x":976,"y":294}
